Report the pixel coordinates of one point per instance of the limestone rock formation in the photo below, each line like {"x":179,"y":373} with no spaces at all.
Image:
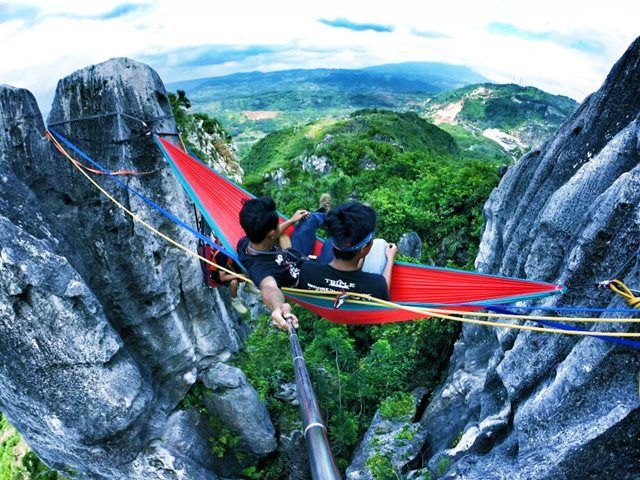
{"x":237,"y":404}
{"x":154,"y":288}
{"x":410,"y":245}
{"x":527,"y":405}
{"x":104,"y":328}
{"x":216,"y":146}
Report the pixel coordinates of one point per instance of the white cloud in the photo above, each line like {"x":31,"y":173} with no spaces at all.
{"x":66,"y":35}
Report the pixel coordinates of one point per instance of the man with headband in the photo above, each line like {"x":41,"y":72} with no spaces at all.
{"x":351,"y":259}
{"x":360,"y":264}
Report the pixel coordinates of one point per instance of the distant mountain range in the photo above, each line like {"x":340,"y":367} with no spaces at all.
{"x":253,"y":104}
{"x":409,"y":77}
{"x":485,"y":118}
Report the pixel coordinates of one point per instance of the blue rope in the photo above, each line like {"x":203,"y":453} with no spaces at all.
{"x":147,"y":200}
{"x":632,"y":311}
{"x":563,"y":326}
{"x":497,"y":304}
{"x":578,"y":309}
{"x":233,"y":255}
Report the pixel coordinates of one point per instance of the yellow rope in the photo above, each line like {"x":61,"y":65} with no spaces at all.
{"x":624,"y":291}
{"x":446,"y":314}
{"x":438,"y":313}
{"x":368,"y":299}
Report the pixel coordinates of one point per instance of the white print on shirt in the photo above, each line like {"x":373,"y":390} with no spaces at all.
{"x":311,"y":286}
{"x":294,"y":271}
{"x":339,"y":284}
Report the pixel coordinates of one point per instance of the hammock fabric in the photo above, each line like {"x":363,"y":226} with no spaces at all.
{"x":220,"y":201}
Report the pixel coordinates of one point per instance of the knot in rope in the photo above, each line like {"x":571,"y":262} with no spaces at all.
{"x":621,"y":289}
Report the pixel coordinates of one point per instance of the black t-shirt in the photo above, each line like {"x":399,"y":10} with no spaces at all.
{"x":282,"y":265}
{"x":315,"y":276}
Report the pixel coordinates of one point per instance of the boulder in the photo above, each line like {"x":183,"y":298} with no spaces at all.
{"x":410,"y":245}
{"x":237,"y":404}
{"x":317,"y":163}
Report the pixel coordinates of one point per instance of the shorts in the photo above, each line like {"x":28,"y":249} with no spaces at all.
{"x":376,"y":259}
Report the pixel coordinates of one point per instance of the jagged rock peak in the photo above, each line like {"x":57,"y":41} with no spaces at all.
{"x":103,"y":327}
{"x":107,"y":86}
{"x":530,"y":405}
{"x":61,"y":361}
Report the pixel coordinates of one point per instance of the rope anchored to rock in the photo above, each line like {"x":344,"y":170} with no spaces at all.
{"x":101,"y":172}
{"x":621,"y":289}
{"x":442,"y":313}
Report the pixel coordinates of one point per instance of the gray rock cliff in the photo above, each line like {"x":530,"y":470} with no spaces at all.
{"x":104,"y":328}
{"x":538,"y":406}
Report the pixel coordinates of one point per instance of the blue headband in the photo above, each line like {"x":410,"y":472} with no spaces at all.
{"x":358,"y":246}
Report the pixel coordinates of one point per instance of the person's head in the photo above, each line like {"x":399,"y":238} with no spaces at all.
{"x":351,"y":227}
{"x":259,"y":219}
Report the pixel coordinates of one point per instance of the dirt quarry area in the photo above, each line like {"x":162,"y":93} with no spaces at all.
{"x":449,"y":113}
{"x":260,"y":114}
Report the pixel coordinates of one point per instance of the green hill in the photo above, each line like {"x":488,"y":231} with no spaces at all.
{"x":411,"y":171}
{"x":515,"y":117}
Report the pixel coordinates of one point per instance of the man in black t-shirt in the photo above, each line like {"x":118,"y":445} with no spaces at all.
{"x":351,"y":228}
{"x":259,"y":250}
{"x":270,"y":266}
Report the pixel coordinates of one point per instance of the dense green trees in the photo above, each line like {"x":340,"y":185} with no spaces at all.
{"x":353,"y":369}
{"x":409,"y":170}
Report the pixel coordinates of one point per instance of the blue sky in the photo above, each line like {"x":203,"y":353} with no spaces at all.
{"x":562,"y":46}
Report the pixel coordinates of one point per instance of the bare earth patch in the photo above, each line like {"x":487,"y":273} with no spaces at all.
{"x":506,"y":141}
{"x":448,"y":114}
{"x":260,"y":114}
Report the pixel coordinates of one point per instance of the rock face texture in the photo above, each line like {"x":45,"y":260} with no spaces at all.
{"x":103,"y":327}
{"x":410,"y":245}
{"x":235,"y":401}
{"x":154,"y":288}
{"x":533,"y":406}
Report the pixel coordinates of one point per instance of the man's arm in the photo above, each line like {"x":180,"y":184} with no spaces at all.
{"x":391,"y":252}
{"x":299,"y":215}
{"x":274,"y":299}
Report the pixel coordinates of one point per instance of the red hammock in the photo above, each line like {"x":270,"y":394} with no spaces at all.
{"x":220,"y":201}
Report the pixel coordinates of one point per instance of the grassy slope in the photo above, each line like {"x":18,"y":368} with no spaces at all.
{"x":475,"y":146}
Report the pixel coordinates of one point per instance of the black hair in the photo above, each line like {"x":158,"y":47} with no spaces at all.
{"x":349,"y":224}
{"x":258,"y":217}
